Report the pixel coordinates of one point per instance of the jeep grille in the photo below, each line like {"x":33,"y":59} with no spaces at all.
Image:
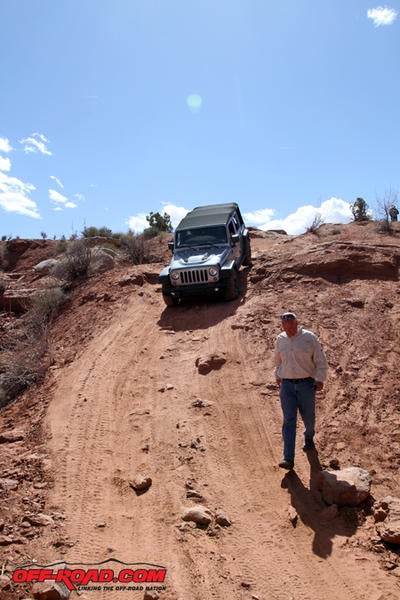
{"x":192,"y":276}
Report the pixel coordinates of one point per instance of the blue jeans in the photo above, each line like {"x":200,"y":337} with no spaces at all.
{"x":296,"y":396}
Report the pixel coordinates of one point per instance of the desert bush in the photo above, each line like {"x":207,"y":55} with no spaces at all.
{"x":20,"y":367}
{"x":96,"y":232}
{"x":61,"y":246}
{"x":135,"y":248}
{"x":76,"y":262}
{"x":385,"y":204}
{"x":316,"y":224}
{"x":45,"y":306}
{"x":24,"y":350}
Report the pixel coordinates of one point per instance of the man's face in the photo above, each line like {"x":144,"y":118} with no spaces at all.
{"x":290,"y":326}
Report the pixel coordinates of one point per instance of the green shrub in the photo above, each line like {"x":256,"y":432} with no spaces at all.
{"x":61,"y":246}
{"x":76,"y":262}
{"x":135,"y":248}
{"x":96,"y":232}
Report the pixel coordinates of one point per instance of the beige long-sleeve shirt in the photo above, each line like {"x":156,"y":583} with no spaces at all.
{"x":300,"y":356}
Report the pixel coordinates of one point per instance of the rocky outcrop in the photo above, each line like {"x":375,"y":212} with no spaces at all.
{"x":343,"y":261}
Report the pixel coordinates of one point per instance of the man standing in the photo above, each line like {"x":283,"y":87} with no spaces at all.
{"x":300,"y":371}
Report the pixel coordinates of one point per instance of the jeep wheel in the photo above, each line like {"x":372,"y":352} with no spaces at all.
{"x":232,"y":288}
{"x":170,"y":300}
{"x":247,"y":252}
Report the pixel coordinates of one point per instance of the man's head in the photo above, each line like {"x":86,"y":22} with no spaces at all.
{"x":289,"y":323}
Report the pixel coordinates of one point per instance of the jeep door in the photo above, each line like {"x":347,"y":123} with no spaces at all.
{"x":236,"y":247}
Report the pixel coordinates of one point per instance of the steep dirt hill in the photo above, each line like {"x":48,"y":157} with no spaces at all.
{"x":124,"y":397}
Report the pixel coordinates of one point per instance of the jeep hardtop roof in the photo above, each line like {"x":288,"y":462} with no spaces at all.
{"x":212,"y":214}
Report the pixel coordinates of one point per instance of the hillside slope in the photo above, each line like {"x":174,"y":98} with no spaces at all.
{"x":122,"y":400}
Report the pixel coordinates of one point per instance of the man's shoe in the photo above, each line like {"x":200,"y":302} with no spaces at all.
{"x":286,"y":464}
{"x":308,"y":444}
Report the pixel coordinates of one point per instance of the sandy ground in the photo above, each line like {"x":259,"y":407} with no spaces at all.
{"x":123,"y":406}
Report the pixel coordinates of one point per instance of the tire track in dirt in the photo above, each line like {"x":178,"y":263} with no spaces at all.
{"x":108,"y":406}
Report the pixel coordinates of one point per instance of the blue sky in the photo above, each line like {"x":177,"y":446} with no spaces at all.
{"x":110,"y":109}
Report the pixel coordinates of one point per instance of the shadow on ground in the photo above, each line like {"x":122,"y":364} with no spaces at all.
{"x":315,"y":513}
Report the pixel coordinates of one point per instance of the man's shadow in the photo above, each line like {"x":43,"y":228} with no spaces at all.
{"x":314,"y":512}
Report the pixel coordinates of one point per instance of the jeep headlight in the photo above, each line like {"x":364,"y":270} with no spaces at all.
{"x":175,"y":275}
{"x":213,"y":271}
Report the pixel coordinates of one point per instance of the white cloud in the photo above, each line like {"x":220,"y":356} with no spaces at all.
{"x":5,"y":164}
{"x":36,"y":143}
{"x":138,"y":222}
{"x":79,"y":197}
{"x":5,"y":145}
{"x":57,"y":197}
{"x":382,"y":15}
{"x":58,"y":182}
{"x":60,"y":200}
{"x":14,"y":196}
{"x":333,"y":210}
{"x":259,"y":216}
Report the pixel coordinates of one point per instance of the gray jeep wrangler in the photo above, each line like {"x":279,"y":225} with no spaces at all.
{"x":210,"y":245}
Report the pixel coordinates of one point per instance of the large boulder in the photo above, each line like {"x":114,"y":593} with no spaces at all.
{"x":387,"y":516}
{"x":346,"y":487}
{"x":45,"y":265}
{"x":102,"y":259}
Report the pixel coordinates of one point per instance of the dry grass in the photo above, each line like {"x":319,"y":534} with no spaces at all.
{"x":25,"y":346}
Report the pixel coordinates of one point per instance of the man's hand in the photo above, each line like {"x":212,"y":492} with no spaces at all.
{"x":278,"y":382}
{"x":318,"y":386}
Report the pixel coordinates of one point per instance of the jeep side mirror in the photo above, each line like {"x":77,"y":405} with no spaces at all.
{"x":235,"y":238}
{"x":171,"y":246}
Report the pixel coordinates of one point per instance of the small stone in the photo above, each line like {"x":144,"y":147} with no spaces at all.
{"x":50,"y":590}
{"x":6,"y":540}
{"x":8,"y":437}
{"x":8,"y":484}
{"x":5,"y":582}
{"x":210,"y":363}
{"x":150,"y":595}
{"x":199,"y":514}
{"x":40,"y":520}
{"x":221,"y":518}
{"x":141,"y":483}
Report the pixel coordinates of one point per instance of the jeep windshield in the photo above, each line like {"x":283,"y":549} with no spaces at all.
{"x":201,"y":236}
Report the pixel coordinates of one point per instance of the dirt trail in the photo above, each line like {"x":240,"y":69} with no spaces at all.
{"x":125,"y":407}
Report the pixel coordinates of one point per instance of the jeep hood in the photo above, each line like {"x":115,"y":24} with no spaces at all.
{"x":204,"y":257}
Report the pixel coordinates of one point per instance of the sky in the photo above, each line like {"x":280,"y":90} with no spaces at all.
{"x":110,"y":109}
